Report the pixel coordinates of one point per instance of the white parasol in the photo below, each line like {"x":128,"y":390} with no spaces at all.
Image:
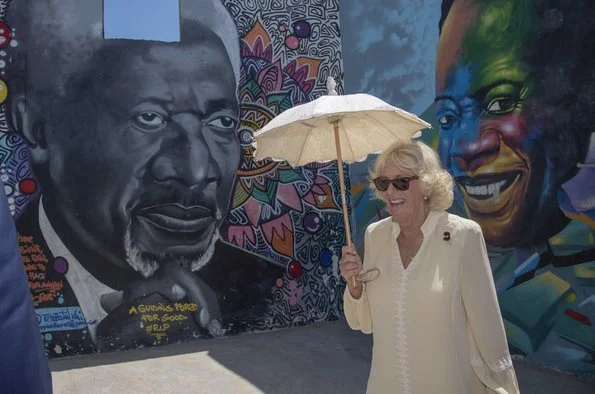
{"x":358,"y":124}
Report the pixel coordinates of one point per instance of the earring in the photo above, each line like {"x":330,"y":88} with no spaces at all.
{"x":426,"y":198}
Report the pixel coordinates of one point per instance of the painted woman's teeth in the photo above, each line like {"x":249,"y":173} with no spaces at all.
{"x":397,"y":201}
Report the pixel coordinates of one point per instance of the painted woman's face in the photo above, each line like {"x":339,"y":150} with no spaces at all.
{"x":485,"y":92}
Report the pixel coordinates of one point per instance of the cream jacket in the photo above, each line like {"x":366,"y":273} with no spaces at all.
{"x":437,"y":326}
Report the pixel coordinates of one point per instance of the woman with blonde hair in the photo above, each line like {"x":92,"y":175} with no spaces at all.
{"x":432,"y":308}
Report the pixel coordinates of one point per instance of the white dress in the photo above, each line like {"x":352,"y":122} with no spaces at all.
{"x":437,"y":326}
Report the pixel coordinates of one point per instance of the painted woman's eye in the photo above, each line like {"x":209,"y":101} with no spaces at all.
{"x":149,"y":121}
{"x":224,"y":122}
{"x":501,"y":105}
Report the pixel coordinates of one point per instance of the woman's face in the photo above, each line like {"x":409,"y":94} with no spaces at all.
{"x":403,"y":205}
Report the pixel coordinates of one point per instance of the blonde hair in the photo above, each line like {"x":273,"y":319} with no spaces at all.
{"x":416,"y":158}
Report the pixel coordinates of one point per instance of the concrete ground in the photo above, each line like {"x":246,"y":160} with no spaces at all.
{"x":322,"y":358}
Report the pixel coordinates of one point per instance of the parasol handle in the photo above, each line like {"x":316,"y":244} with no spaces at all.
{"x":342,"y":182}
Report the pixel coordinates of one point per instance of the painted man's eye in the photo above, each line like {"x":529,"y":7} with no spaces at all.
{"x":224,"y":122}
{"x":149,"y":121}
{"x":501,"y":105}
{"x":447,"y":120}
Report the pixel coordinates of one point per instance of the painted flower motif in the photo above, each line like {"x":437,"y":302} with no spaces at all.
{"x":321,"y":194}
{"x":268,"y":193}
{"x":266,"y":200}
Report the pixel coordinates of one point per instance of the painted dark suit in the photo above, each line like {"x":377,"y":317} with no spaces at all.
{"x":241,"y":281}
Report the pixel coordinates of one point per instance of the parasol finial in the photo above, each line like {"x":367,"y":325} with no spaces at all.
{"x":331,"y":86}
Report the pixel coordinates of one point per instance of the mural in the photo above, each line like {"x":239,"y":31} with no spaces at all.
{"x":290,"y":216}
{"x":405,"y":79}
{"x":401,"y":28}
{"x":513,"y":122}
{"x":142,"y":217}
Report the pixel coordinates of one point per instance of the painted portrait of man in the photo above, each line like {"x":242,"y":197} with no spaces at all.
{"x":515,"y":90}
{"x":134,"y":145}
{"x":507,"y":144}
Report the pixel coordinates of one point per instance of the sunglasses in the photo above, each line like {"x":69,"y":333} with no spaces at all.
{"x":398,"y":183}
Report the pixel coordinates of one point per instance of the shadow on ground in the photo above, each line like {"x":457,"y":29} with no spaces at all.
{"x":322,"y":358}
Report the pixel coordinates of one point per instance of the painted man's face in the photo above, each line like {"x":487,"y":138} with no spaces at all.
{"x":146,"y":157}
{"x":485,"y":92}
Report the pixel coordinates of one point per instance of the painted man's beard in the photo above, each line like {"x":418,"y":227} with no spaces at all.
{"x":148,"y":263}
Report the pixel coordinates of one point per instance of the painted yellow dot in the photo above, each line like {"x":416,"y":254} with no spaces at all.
{"x":571,"y":297}
{"x":3,"y":91}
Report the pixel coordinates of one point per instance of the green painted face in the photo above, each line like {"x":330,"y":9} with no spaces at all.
{"x":488,"y":140}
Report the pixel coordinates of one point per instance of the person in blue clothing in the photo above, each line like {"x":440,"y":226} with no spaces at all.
{"x":23,"y":365}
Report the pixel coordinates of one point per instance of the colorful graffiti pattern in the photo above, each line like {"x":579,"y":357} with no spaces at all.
{"x":289,"y":215}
